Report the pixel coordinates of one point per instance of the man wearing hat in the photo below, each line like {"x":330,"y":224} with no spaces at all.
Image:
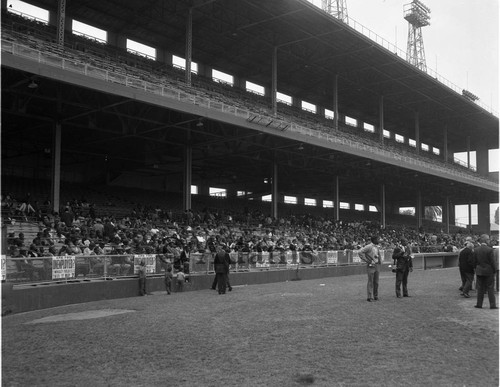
{"x":484,"y":262}
{"x":466,"y":267}
{"x":403,"y":264}
{"x":221,"y":265}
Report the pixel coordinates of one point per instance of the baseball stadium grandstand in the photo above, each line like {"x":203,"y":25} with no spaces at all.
{"x":233,"y":108}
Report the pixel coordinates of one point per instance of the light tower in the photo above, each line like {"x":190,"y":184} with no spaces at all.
{"x":337,"y":8}
{"x":418,"y":16}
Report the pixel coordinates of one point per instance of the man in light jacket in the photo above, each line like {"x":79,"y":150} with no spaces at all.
{"x":371,"y":256}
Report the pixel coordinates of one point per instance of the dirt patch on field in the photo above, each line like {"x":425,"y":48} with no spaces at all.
{"x":86,"y":315}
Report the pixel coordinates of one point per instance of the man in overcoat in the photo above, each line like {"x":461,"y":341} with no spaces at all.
{"x":485,"y":271}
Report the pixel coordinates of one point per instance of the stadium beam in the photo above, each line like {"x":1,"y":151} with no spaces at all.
{"x":382,"y":205}
{"x":56,"y":167}
{"x":61,"y":21}
{"x":274,"y":81}
{"x":445,"y":219}
{"x":381,"y":119}
{"x":275,"y":198}
{"x":336,"y":199}
{"x":483,"y":217}
{"x":336,"y":101}
{"x":418,"y":209}
{"x":189,"y":45}
{"x":417,"y":132}
{"x":187,"y":177}
{"x":467,"y":145}
{"x":445,"y":143}
{"x":189,"y":39}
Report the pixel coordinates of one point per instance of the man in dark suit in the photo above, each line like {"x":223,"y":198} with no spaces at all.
{"x":484,"y":262}
{"x":466,"y":266}
{"x":221,"y":266}
{"x":227,"y":261}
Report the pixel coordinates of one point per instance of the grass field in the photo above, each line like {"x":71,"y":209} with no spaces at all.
{"x":314,"y":332}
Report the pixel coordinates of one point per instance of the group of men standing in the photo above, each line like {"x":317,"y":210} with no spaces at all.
{"x":403,"y":264}
{"x":479,"y":261}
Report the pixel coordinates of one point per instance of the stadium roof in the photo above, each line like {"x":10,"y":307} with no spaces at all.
{"x":238,"y":37}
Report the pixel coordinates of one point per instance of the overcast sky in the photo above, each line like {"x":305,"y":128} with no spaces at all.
{"x":460,"y":44}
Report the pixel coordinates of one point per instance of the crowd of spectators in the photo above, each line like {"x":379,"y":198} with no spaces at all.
{"x":154,"y":231}
{"x":109,"y":243}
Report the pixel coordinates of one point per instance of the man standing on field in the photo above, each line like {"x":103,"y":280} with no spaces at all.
{"x":485,"y":272}
{"x":370,"y":254}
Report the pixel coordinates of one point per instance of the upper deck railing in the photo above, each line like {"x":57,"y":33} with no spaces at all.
{"x":402,"y":54}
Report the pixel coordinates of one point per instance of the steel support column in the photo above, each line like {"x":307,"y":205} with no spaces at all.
{"x":275,"y":198}
{"x":445,"y":219}
{"x":419,"y":210}
{"x":382,"y":206}
{"x":417,"y":132}
{"x":61,"y":21}
{"x":483,"y":217}
{"x":336,"y":101}
{"x":274,"y":81}
{"x":187,"y":177}
{"x":55,"y":188}
{"x":189,"y":45}
{"x":381,"y":119}
{"x":469,"y":215}
{"x":336,"y":199}
{"x":467,"y":141}
{"x":445,"y":143}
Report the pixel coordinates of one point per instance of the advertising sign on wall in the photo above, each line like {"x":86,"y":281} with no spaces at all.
{"x":63,"y":267}
{"x":3,"y":267}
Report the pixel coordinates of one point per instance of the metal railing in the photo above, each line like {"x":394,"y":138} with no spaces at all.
{"x":402,"y":54}
{"x":76,"y":268}
{"x":101,"y":267}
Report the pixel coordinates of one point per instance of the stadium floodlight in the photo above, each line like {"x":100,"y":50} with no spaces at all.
{"x":418,"y":15}
{"x":336,"y":8}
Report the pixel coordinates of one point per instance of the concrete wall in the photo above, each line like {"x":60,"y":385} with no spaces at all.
{"x":23,"y":298}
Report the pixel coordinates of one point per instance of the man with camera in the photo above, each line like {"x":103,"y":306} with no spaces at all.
{"x":402,"y":266}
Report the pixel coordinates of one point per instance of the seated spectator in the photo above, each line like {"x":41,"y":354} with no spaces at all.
{"x":52,"y":251}
{"x":39,"y":266}
{"x":26,"y":207}
{"x":99,"y":228}
{"x":19,"y":241}
{"x":120,"y":263}
{"x":82,"y":262}
{"x":98,"y":263}
{"x":67,"y":217}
